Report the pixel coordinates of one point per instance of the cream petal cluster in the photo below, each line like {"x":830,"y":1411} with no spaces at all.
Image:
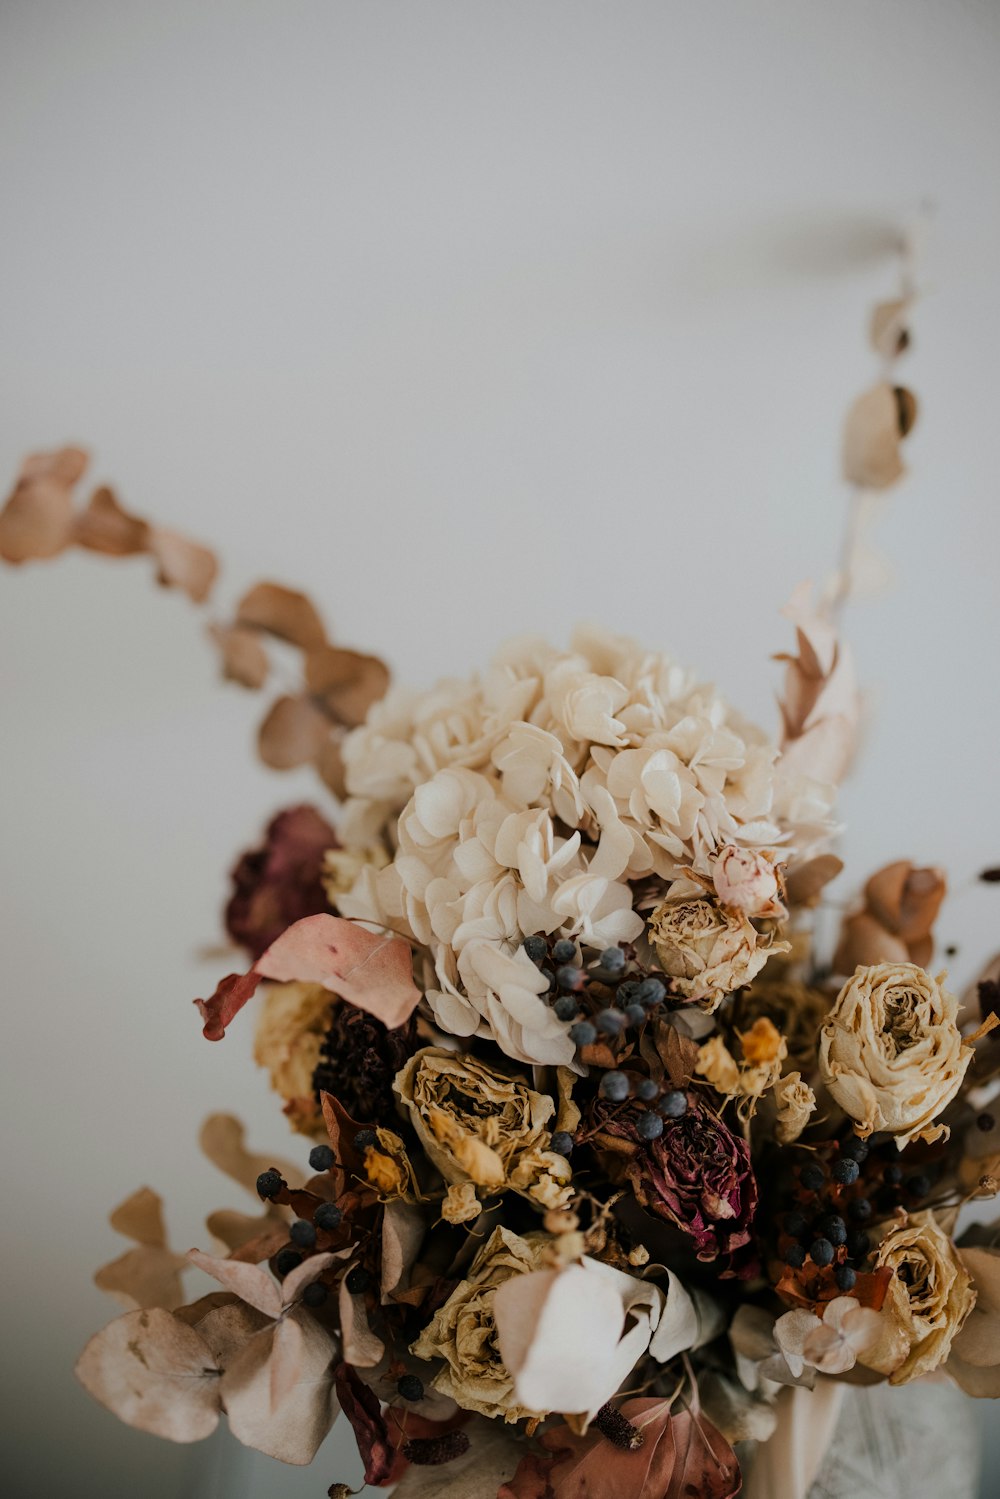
{"x":529,"y":799}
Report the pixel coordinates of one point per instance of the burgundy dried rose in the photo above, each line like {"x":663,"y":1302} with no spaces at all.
{"x":697,"y":1176}
{"x":279,"y":883}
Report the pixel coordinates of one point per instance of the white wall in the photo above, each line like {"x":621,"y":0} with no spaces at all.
{"x":471,"y":319}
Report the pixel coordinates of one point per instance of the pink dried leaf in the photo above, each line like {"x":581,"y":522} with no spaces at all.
{"x":154,"y":1373}
{"x":294,"y":1431}
{"x":371,"y":970}
{"x":252,"y":1284}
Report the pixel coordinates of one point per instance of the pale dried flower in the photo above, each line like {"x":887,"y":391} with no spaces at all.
{"x":746,"y":880}
{"x":927,"y":1303}
{"x":831,"y":1344}
{"x":891,"y":1052}
{"x":795,"y":1102}
{"x":707,"y":950}
{"x":288,"y":1041}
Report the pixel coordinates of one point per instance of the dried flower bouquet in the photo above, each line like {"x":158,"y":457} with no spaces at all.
{"x":599,"y":1149}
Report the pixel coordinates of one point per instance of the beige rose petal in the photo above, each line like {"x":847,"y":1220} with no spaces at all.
{"x":154,"y":1373}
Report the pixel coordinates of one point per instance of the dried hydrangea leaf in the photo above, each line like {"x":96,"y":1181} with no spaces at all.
{"x":292,"y":733}
{"x":244,"y":658}
{"x":182,"y":563}
{"x":346,"y":682}
{"x":293,"y":1431}
{"x":252,"y":1284}
{"x":37,"y":519}
{"x":104,"y":526}
{"x":283,"y":613}
{"x":154,"y":1373}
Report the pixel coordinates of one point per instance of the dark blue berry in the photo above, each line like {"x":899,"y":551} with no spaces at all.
{"x":635,"y":1014}
{"x":535,"y":947}
{"x":845,"y":1171}
{"x":562,"y":1142}
{"x":315,"y":1294}
{"x":892,"y":1176}
{"x":611,"y":1022}
{"x":795,"y":1224}
{"x":918,"y":1186}
{"x":303,"y":1234}
{"x":583,"y":1033}
{"x":985,"y":1122}
{"x":269,"y":1183}
{"x":409,"y":1387}
{"x":614,"y":1087}
{"x":649,"y":1126}
{"x":364,"y":1138}
{"x":612,"y":960}
{"x":860,"y":1210}
{"x":845,"y":1278}
{"x":647,"y":1090}
{"x":674,"y":1104}
{"x":812,"y":1177}
{"x":821,"y":1252}
{"x":570,"y":977}
{"x":328,"y":1215}
{"x":627,"y":991}
{"x":286,"y":1261}
{"x":566,"y":1007}
{"x":855,"y":1147}
{"x":651,"y":992}
{"x":321,"y":1158}
{"x":358,"y":1280}
{"x":564,"y":951}
{"x":795,"y":1256}
{"x":831,"y":1226}
{"x":858,"y":1243}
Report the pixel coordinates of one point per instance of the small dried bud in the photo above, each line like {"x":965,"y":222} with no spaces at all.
{"x":612,"y":1424}
{"x":427,"y":1452}
{"x":638,"y":1256}
{"x":560,"y":1221}
{"x":340,"y":1491}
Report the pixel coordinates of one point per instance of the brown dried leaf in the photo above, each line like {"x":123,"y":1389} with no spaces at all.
{"x":252,"y":1284}
{"x":145,"y":1277}
{"x":235,"y":1230}
{"x":37,"y":519}
{"x":140,"y":1217}
{"x":244,"y":658}
{"x":346,"y":682}
{"x":222,"y":1140}
{"x":293,"y":733}
{"x":805,"y":883}
{"x":228,"y":1326}
{"x":876,"y":423}
{"x":331,"y":769}
{"x":183,"y":564}
{"x":864,"y":941}
{"x":154,"y":1373}
{"x":284,"y":613}
{"x":105,"y":527}
{"x":292,"y":1433}
{"x":890,"y":330}
{"x":906,"y":900}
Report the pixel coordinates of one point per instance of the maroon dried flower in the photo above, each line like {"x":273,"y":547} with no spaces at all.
{"x":359,"y":1058}
{"x":279,"y":883}
{"x":697,"y":1176}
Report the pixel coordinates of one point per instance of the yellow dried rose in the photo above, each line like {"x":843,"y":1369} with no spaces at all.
{"x":483,"y":1126}
{"x":928,"y":1300}
{"x":287,"y":1042}
{"x":706,"y":949}
{"x":891,"y":1052}
{"x":463,"y":1332}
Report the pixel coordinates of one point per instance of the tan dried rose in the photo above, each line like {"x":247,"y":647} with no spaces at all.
{"x":795,"y":1102}
{"x":463,"y":1332}
{"x":928,"y":1300}
{"x":707,"y":950}
{"x":891,"y":1052}
{"x":289,"y":1035}
{"x":483,"y":1126}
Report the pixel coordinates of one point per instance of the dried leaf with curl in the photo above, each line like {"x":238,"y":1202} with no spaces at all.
{"x":820,"y":704}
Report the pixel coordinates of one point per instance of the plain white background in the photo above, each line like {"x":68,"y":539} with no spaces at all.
{"x":471,"y":319}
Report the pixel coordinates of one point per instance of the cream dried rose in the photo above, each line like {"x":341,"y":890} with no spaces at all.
{"x":891,"y":1052}
{"x":463,"y":1332}
{"x":707,"y":950}
{"x":929,"y":1298}
{"x":482,"y":1126}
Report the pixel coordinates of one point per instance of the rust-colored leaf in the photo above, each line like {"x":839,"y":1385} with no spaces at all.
{"x":293,"y":733}
{"x":105,"y":527}
{"x":37,"y":519}
{"x":346,"y":682}
{"x":363,"y":1409}
{"x":284,"y":613}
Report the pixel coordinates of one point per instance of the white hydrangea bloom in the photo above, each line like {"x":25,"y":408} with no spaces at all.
{"x":529,"y":798}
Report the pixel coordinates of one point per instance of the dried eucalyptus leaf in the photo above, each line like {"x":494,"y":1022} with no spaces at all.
{"x":222,"y":1140}
{"x":107,"y":528}
{"x":283,"y":613}
{"x":148,"y":1276}
{"x":37,"y":520}
{"x":254,"y":1285}
{"x":346,"y":682}
{"x":244,"y":658}
{"x":292,"y":1433}
{"x":293,"y":733}
{"x":140,"y":1217}
{"x":183,"y":564}
{"x":154,"y":1373}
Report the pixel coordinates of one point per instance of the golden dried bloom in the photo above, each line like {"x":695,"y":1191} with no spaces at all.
{"x":749,"y":1080}
{"x":463,"y":1332}
{"x":482,"y":1126}
{"x":929,"y":1298}
{"x":891,"y":1052}
{"x":707,"y":950}
{"x":287,"y":1042}
{"x":763,"y":1042}
{"x":796,"y":1010}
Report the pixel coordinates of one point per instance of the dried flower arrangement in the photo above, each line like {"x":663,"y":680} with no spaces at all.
{"x":602,"y":1150}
